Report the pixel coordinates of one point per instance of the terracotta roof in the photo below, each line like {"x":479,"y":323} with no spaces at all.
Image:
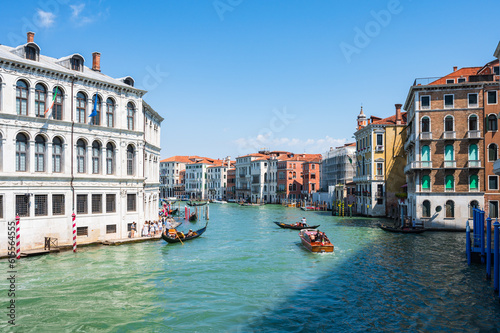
{"x":391,"y":120}
{"x":252,"y":155}
{"x":181,"y":159}
{"x":462,"y":72}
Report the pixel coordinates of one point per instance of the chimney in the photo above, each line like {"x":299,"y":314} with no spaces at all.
{"x":399,"y":118}
{"x":31,"y":37}
{"x":454,"y":68}
{"x":96,"y":61}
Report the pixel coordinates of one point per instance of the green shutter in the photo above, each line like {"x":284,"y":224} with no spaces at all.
{"x":473,"y":182}
{"x":426,"y":182}
{"x":426,"y":153}
{"x":450,"y":182}
{"x":448,"y":153}
{"x":473,"y":156}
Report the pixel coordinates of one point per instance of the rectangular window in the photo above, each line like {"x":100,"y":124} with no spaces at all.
{"x":493,"y":209}
{"x":41,"y":205}
{"x":472,"y":100}
{"x":495,"y":70}
{"x":450,"y":81}
{"x":461,"y":80}
{"x":58,"y":204}
{"x":492,"y":97}
{"x":1,"y":206}
{"x":313,"y":176}
{"x":111,"y":229}
{"x":129,"y":227}
{"x":448,"y":101}
{"x":380,"y":170}
{"x":110,"y":203}
{"x":82,"y":231}
{"x":493,"y":182}
{"x":380,"y":140}
{"x":22,"y":205}
{"x":131,"y":207}
{"x":96,"y":203}
{"x":425,"y":102}
{"x":81,"y":204}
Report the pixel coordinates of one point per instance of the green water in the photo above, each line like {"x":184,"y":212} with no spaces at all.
{"x":247,"y":275}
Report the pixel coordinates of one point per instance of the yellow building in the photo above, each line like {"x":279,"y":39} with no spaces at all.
{"x":380,"y":163}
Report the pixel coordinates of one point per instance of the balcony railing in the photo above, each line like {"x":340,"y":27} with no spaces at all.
{"x":417,"y":165}
{"x":242,"y":175}
{"x":449,"y":135}
{"x":409,"y":141}
{"x":473,"y":134}
{"x":362,"y":178}
{"x":378,"y":177}
{"x":426,"y":136}
{"x":379,"y":148}
{"x":474,"y":164}
{"x":450,"y":164}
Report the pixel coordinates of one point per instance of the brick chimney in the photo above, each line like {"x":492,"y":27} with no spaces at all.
{"x":455,"y":68}
{"x":399,"y":118}
{"x":96,"y":61}
{"x":31,"y":37}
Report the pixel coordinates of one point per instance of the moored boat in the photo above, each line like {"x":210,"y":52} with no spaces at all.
{"x":315,"y":240}
{"x":193,"y":217}
{"x":219,"y":201}
{"x":408,"y":230}
{"x":251,"y":204}
{"x":295,"y":226}
{"x":196,"y":203}
{"x":176,"y":237}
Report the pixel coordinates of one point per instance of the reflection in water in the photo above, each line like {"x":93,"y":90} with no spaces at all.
{"x":246,"y":274}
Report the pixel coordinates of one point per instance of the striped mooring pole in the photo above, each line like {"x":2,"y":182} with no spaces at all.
{"x":18,"y":239}
{"x":73,"y":216}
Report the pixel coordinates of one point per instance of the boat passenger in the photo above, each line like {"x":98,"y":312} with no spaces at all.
{"x":190,"y":233}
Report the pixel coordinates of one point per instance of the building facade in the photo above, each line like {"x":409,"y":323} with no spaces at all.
{"x":81,"y":142}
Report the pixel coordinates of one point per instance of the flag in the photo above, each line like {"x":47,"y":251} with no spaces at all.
{"x":350,"y":159}
{"x":94,"y":112}
{"x":51,"y":104}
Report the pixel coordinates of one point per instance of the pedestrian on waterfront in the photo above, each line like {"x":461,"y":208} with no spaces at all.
{"x":133,"y":229}
{"x":160,"y":227}
{"x":145,"y":229}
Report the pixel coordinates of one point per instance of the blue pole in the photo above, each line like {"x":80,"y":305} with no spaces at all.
{"x":488,"y":248}
{"x":467,"y":242}
{"x":495,"y":265}
{"x":475,"y":219}
{"x":481,"y":233}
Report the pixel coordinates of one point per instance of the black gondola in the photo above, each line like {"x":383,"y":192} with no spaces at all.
{"x":176,"y":239}
{"x":173,"y":211}
{"x":295,"y":227}
{"x":193,"y":217}
{"x":196,"y":204}
{"x":402,"y":230}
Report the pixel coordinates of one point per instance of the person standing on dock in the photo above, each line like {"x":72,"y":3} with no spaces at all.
{"x":133,"y":229}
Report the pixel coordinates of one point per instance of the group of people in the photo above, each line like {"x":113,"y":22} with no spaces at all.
{"x":152,"y":229}
{"x":319,"y":237}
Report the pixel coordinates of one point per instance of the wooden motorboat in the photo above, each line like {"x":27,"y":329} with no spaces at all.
{"x":193,"y":217}
{"x":219,"y":201}
{"x":407,"y":230}
{"x":294,"y":226}
{"x":315,"y":241}
{"x":176,"y":237}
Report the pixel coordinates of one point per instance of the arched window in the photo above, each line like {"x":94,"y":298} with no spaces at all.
{"x":448,"y":124}
{"x":110,"y":159}
{"x":22,"y":94}
{"x":22,"y":152}
{"x":110,"y":112}
{"x":473,"y":183}
{"x":426,"y":125}
{"x":473,"y":204}
{"x":450,"y":209}
{"x":448,"y":153}
{"x":57,"y":154}
{"x":81,"y":108}
{"x":97,"y":105}
{"x":81,"y":154}
{"x":40,"y":98}
{"x":492,"y":152}
{"x":473,"y":122}
{"x":130,"y":116}
{"x":426,"y":182}
{"x":30,"y":52}
{"x":1,"y":152}
{"x":426,"y":208}
{"x":426,"y":155}
{"x":290,"y":187}
{"x":473,"y":153}
{"x":449,"y":183}
{"x":96,"y":157}
{"x":39,"y":153}
{"x":492,"y":123}
{"x":57,"y":109}
{"x":130,"y":160}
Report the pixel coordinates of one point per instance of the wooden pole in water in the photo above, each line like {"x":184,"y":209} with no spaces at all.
{"x":467,"y":242}
{"x":18,"y":238}
{"x":73,"y":216}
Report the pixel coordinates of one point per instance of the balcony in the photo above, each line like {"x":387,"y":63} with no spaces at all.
{"x":473,"y":134}
{"x":418,"y":165}
{"x":362,"y":178}
{"x":471,"y":164}
{"x":378,"y":177}
{"x":379,"y":148}
{"x":450,"y":164}
{"x":242,"y":175}
{"x":426,"y":136}
{"x":409,"y":141}
{"x":449,"y":135}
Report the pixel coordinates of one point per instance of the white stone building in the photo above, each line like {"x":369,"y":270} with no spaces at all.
{"x":217,"y":180}
{"x":103,"y":168}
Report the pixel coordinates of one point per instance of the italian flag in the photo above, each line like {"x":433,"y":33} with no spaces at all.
{"x":51,"y":104}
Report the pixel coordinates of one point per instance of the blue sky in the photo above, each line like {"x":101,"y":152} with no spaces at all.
{"x":233,"y":76}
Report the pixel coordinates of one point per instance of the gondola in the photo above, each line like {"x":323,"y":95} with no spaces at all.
{"x":196,"y":204}
{"x":402,"y":230}
{"x":173,"y":211}
{"x":295,"y":227}
{"x":193,"y":217}
{"x":176,"y":240}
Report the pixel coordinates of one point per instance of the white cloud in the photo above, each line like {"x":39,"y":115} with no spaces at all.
{"x":77,"y":9}
{"x":310,"y":146}
{"x":46,"y":18}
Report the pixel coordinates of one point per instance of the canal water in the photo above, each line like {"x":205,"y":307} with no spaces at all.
{"x":247,"y":275}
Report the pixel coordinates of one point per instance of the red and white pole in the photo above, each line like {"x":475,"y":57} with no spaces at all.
{"x":18,"y":239}
{"x":74,"y":231}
